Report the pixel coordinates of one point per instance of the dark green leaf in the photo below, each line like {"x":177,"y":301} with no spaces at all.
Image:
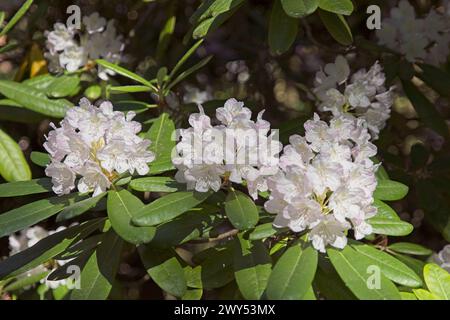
{"x":337,"y":27}
{"x":293,"y":273}
{"x":410,"y":248}
{"x":354,"y":269}
{"x":32,"y":213}
{"x":165,"y":269}
{"x":252,"y":267}
{"x":282,"y":29}
{"x":99,"y":273}
{"x":436,"y":78}
{"x":79,"y":207}
{"x":23,"y":188}
{"x":263,"y":231}
{"x":168,"y":207}
{"x":46,"y":249}
{"x":122,"y":208}
{"x":12,"y":22}
{"x":155,"y":184}
{"x":425,"y":109}
{"x":344,"y":7}
{"x":241,"y":210}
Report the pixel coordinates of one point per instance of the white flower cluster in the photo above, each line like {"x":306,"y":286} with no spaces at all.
{"x":28,"y":238}
{"x":426,"y":39}
{"x":442,"y":258}
{"x":363,"y":96}
{"x":326,"y":182}
{"x":238,"y":149}
{"x":97,"y":144}
{"x":70,"y":49}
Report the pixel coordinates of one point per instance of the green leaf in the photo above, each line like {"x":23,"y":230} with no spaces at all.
{"x":436,"y":78}
{"x":155,"y":184}
{"x":185,"y":57}
{"x":241,"y":210}
{"x":22,"y":282}
{"x":385,"y":211}
{"x":99,"y":273}
{"x":392,"y":268}
{"x":407,"y":296}
{"x":413,"y":263}
{"x":344,"y":7}
{"x":410,"y":248}
{"x":131,"y":89}
{"x":168,"y":207}
{"x":23,"y":9}
{"x":13,"y":166}
{"x":390,"y":227}
{"x":162,"y":136}
{"x":299,"y":8}
{"x":354,"y":269}
{"x":34,"y":99}
{"x":427,"y":112}
{"x":64,"y":86}
{"x":192,"y":294}
{"x":263,"y":231}
{"x":32,"y":213}
{"x":23,"y":188}
{"x":216,"y":270}
{"x":165,"y":269}
{"x":189,"y":71}
{"x":422,"y":294}
{"x":330,"y":285}
{"x":42,"y":82}
{"x":282,"y":29}
{"x":182,"y":229}
{"x":337,"y":27}
{"x":390,"y":190}
{"x":122,"y":208}
{"x":40,"y":158}
{"x":252,"y":267}
{"x":210,"y":9}
{"x":124,"y":72}
{"x":79,"y":207}
{"x":164,"y":37}
{"x":437,"y":280}
{"x":293,"y":273}
{"x":46,"y":249}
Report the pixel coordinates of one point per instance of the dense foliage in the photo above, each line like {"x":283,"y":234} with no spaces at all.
{"x":225,"y":149}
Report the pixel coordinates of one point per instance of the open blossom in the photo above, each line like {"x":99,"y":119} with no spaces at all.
{"x":326,"y":182}
{"x":96,"y":144}
{"x":70,"y":49}
{"x":239,"y":149}
{"x":26,"y":239}
{"x":363,"y":95}
{"x":424,"y":39}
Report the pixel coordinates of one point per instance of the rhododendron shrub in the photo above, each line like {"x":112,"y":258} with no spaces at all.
{"x":224,"y":150}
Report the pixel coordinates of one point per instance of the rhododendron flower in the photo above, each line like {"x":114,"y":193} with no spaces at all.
{"x":426,"y":38}
{"x":96,"y":144}
{"x":326,"y":182}
{"x":363,"y":95}
{"x":70,"y":49}
{"x":238,"y":150}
